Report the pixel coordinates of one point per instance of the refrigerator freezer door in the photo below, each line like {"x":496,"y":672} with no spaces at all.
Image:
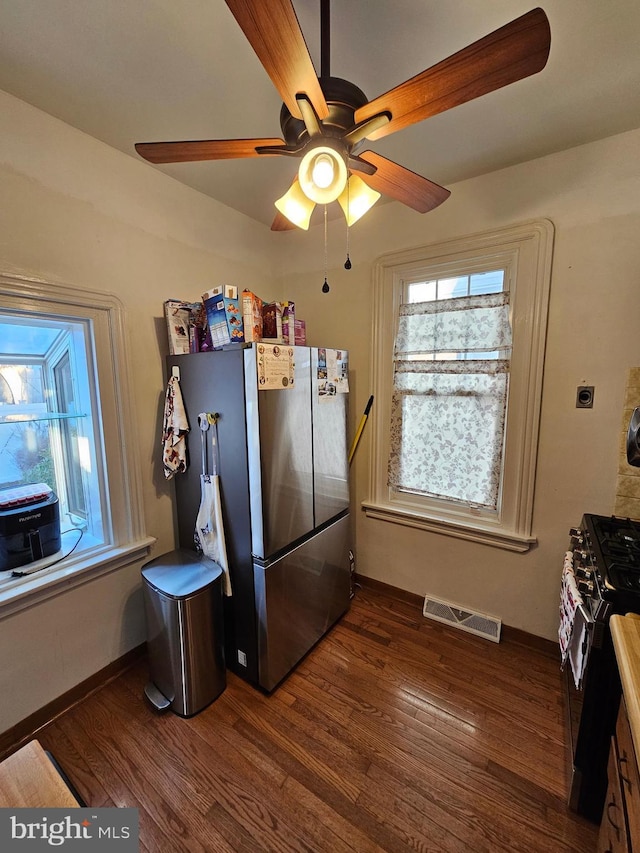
{"x":280,"y":453}
{"x":329,"y":411}
{"x":213,"y":382}
{"x":298,"y":598}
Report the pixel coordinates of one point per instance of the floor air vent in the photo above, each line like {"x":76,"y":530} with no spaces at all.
{"x":474,"y":623}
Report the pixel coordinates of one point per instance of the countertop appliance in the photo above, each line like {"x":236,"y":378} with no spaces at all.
{"x":29,"y":525}
{"x":606,"y":563}
{"x":283,"y":477}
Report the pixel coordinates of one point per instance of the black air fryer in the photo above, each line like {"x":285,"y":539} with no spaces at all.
{"x":29,"y":525}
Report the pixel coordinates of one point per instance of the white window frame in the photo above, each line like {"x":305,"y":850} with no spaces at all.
{"x":125,"y":538}
{"x":525,"y":252}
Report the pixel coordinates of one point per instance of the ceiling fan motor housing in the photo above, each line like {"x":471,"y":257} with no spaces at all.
{"x":343,"y":99}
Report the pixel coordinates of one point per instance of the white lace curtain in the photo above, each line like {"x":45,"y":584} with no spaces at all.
{"x":449,"y":398}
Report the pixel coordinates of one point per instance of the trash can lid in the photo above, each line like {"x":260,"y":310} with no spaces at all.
{"x":181,"y":573}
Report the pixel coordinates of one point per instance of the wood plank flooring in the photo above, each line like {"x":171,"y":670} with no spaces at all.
{"x":394,"y":734}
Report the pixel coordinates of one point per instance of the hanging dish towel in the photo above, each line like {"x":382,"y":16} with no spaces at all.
{"x":174,"y":431}
{"x":573,"y":630}
{"x":209,"y":532}
{"x":209,"y":535}
{"x":579,"y":649}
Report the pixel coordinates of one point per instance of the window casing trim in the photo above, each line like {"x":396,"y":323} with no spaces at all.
{"x":68,"y":574}
{"x":525,"y":252}
{"x":127,"y":540}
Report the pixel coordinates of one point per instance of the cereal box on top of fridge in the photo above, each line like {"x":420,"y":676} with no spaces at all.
{"x":252,"y":316}
{"x":224,"y":315}
{"x":272,"y":321}
{"x":288,"y":322}
{"x":300,"y":333}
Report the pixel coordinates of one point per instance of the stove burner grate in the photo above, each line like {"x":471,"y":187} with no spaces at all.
{"x":615,"y":543}
{"x":619,"y":541}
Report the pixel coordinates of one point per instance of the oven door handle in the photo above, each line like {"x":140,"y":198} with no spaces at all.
{"x":586,"y":615}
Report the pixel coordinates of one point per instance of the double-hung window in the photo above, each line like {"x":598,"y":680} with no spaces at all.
{"x":458,"y":352}
{"x":66,"y":423}
{"x":50,"y":431}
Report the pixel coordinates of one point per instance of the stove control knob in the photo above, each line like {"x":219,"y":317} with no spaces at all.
{"x":577,"y":537}
{"x":582,"y":555}
{"x":585,"y":586}
{"x":584,"y":572}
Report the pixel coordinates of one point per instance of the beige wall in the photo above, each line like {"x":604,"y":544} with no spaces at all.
{"x":592,"y":195}
{"x":76,"y":211}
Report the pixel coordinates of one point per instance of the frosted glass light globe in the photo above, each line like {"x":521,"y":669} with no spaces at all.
{"x":322,"y":174}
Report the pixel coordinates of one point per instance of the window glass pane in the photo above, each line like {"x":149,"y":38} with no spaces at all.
{"x":471,"y":356}
{"x":487,"y":282}
{"x":25,"y":447}
{"x":26,"y":455}
{"x":422,"y":291}
{"x":450,"y":288}
{"x":22,"y":388}
{"x":20,"y":336}
{"x":47,"y":419}
{"x":448,"y":416}
{"x":455,"y":286}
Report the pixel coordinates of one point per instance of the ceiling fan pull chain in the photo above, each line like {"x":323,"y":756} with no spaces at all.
{"x":325,"y":286}
{"x":347,"y":263}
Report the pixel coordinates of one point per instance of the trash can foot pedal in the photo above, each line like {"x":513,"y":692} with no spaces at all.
{"x":157,"y":699}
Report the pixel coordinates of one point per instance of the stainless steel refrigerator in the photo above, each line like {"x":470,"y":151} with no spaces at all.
{"x":283,"y":476}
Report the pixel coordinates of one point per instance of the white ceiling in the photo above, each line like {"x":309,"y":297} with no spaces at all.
{"x":127,"y":71}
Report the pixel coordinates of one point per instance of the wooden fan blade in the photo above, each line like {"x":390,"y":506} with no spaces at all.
{"x":206,"y":149}
{"x":402,"y":184}
{"x":274,"y":33}
{"x":511,"y":53}
{"x":281,"y":223}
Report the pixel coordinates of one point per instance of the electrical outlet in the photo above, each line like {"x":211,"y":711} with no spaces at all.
{"x":584,"y":396}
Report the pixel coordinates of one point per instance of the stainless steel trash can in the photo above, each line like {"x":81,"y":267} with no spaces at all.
{"x":183,"y":608}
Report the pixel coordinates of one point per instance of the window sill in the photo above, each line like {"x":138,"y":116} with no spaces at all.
{"x":481,"y":532}
{"x":19,"y":593}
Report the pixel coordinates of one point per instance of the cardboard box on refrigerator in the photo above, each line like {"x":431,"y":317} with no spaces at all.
{"x":177,"y":316}
{"x":252,"y":316}
{"x":272,"y":322}
{"x":300,"y":333}
{"x":288,"y":322}
{"x":187,"y":327}
{"x":224,"y":315}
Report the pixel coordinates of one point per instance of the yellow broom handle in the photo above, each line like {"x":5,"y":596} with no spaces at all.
{"x":363,"y":421}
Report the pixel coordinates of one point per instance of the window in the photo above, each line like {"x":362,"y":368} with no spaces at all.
{"x":64,"y":421}
{"x":48,"y":423}
{"x":451,"y":365}
{"x":458,"y":351}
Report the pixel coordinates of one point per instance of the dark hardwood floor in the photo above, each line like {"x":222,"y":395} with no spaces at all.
{"x":394,"y":734}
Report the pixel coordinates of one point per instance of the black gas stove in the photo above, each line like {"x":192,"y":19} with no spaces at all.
{"x":606,"y":562}
{"x":606,"y":553}
{"x":616,"y":542}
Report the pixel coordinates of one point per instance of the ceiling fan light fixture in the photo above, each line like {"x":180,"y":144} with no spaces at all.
{"x":322,"y":174}
{"x":296,"y":206}
{"x":322,"y":171}
{"x":356,"y":199}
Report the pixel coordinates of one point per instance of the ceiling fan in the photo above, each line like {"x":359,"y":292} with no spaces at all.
{"x":325,"y":120}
